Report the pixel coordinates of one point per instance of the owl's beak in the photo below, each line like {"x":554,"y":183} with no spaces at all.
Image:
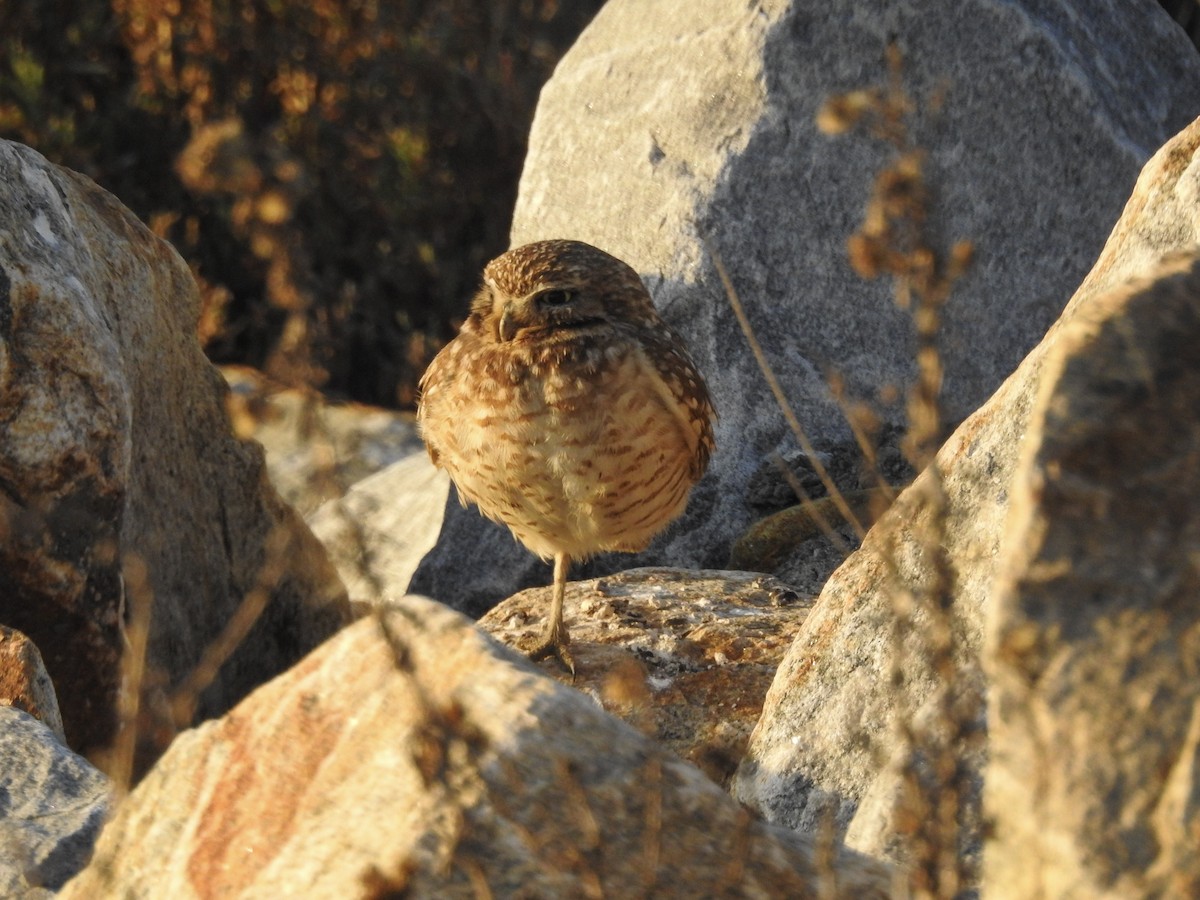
{"x":507,"y":329}
{"x":512,"y":320}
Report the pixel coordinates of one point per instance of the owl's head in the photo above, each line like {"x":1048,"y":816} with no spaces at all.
{"x":558,"y":289}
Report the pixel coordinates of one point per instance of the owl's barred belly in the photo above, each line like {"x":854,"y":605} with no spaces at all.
{"x":576,"y":467}
{"x":568,"y":410}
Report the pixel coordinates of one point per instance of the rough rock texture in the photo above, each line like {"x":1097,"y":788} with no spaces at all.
{"x":52,"y":804}
{"x":117,"y":458}
{"x":685,"y":657}
{"x":378,"y":532}
{"x":24,"y":682}
{"x":832,"y":689}
{"x":434,"y":763}
{"x":1094,"y":631}
{"x":672,"y":121}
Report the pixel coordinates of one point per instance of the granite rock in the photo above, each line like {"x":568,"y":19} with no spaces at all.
{"x":123,"y":481}
{"x":1093,"y":629}
{"x":674,"y":129}
{"x":411,"y":755}
{"x":24,"y":682}
{"x":834,"y":687}
{"x":52,"y":805}
{"x":686,"y":657}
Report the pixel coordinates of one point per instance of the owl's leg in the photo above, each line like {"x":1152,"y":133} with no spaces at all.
{"x":555,"y":640}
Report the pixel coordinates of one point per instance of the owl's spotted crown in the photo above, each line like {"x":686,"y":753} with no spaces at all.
{"x":549,"y":263}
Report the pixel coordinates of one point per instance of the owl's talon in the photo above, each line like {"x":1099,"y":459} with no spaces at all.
{"x":556,"y":638}
{"x":547,"y":647}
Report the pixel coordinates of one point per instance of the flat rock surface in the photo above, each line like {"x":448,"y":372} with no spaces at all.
{"x":685,"y":657}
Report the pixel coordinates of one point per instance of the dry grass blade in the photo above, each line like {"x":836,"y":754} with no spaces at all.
{"x":857,"y":415}
{"x":277,"y":549}
{"x":789,"y":414}
{"x":139,"y":598}
{"x":809,"y":506}
{"x":893,"y":242}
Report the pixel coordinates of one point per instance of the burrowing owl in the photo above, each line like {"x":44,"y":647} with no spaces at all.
{"x":567,"y":410}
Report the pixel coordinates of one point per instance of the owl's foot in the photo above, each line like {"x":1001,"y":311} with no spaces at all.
{"x":554,"y":643}
{"x":555,"y":639}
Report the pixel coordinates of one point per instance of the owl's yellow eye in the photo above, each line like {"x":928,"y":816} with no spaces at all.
{"x":555,"y":297}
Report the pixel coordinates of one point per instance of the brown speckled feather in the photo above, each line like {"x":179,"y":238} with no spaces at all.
{"x":566,"y":409}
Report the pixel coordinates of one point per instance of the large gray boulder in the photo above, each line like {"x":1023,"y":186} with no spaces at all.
{"x":1093,"y":650}
{"x":675,"y":122}
{"x":124,"y":484}
{"x":829,"y":728}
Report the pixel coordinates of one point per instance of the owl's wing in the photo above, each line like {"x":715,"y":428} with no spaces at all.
{"x":683,"y":391}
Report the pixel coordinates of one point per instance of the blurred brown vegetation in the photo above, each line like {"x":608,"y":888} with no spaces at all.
{"x":336,"y":172}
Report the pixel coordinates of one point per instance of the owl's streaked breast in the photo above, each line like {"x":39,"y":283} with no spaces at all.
{"x":577,"y":447}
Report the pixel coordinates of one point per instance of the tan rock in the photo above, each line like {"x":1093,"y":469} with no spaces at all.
{"x":359,"y":475}
{"x":686,"y":657}
{"x":378,"y":532}
{"x":123,"y":481}
{"x":24,"y":682}
{"x":834,"y":685}
{"x":803,"y":544}
{"x":316,"y":449}
{"x":411,"y":755}
{"x":1094,"y":631}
